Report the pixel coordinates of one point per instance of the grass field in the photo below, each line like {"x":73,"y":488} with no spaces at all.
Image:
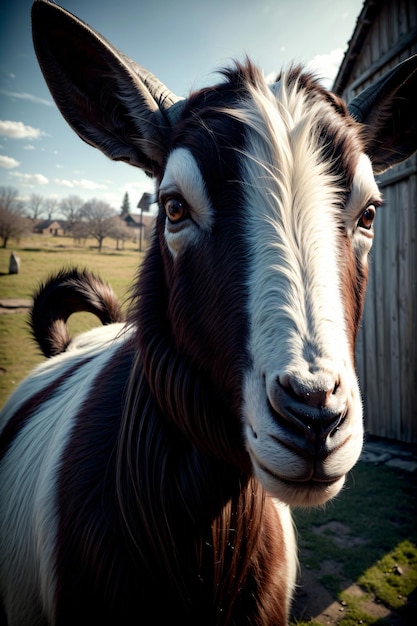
{"x":40,"y":256}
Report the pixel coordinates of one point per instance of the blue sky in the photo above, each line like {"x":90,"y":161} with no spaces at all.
{"x":183,"y":43}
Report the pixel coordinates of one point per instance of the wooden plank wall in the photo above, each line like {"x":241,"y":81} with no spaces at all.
{"x":387,"y":343}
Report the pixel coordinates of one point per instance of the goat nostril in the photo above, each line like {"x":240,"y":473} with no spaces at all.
{"x":315,"y":392}
{"x":316,"y":407}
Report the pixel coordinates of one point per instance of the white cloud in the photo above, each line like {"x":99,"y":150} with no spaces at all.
{"x":29,"y":147}
{"x":326,"y":66}
{"x":81,"y":183}
{"x":137,"y":189}
{"x":63,"y":183}
{"x":21,"y":95}
{"x":30,"y":179}
{"x":18,"y":130}
{"x":271,"y":77}
{"x":8,"y":162}
{"x":88,"y":184}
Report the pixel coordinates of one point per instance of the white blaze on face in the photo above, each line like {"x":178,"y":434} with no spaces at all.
{"x":296,"y":307}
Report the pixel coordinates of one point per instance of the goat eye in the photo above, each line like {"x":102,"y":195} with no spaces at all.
{"x":175,"y":209}
{"x":366,"y":220}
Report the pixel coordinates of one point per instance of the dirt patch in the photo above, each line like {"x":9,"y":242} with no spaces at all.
{"x":314,"y":602}
{"x":340,"y":534}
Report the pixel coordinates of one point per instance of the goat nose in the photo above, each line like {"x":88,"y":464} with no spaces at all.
{"x":316,"y":393}
{"x":315,"y":405}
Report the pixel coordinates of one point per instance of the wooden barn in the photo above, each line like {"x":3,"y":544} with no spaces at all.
{"x":385,"y":34}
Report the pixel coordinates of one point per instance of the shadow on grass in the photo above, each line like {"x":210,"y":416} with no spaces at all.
{"x":374,"y":514}
{"x":43,"y":250}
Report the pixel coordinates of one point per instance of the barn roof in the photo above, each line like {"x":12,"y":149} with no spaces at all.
{"x":360,"y":38}
{"x":369,"y":10}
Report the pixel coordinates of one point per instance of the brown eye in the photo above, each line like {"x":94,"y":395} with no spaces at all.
{"x":367,"y":218}
{"x":175,"y":210}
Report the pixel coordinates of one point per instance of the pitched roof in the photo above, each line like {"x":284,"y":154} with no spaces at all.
{"x":48,"y":223}
{"x":365,"y":19}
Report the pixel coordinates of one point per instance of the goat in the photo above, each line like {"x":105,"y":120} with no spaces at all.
{"x":148,"y":467}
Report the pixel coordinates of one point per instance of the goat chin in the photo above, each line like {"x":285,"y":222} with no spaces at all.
{"x":309,"y":494}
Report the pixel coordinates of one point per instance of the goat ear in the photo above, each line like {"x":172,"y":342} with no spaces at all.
{"x":111,"y":102}
{"x":387,"y":110}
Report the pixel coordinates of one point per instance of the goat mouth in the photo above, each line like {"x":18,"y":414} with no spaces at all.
{"x":300,"y":424}
{"x":311,"y":442}
{"x":306,"y":490}
{"x":310,"y":481}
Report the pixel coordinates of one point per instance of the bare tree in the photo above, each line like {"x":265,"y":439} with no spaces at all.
{"x":35,"y":206}
{"x":12,"y":226}
{"x":120,"y":231}
{"x":98,"y":215}
{"x":12,"y":222}
{"x":51,"y":205}
{"x":10,"y":200}
{"x":80,"y":231}
{"x":70,"y":207}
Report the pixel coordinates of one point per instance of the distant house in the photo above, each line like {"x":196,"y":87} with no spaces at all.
{"x":50,"y":227}
{"x":133,"y":220}
{"x":138,"y":221}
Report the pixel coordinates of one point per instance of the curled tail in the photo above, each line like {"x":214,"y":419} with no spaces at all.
{"x":67,"y":292}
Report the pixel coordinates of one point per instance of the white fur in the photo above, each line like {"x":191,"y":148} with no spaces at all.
{"x":28,"y":516}
{"x":289,"y":541}
{"x":296,"y":309}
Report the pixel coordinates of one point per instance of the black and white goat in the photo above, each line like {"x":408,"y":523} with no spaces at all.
{"x":148,"y":468}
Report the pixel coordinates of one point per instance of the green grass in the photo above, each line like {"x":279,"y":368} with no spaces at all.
{"x":40,"y":256}
{"x":14,"y":365}
{"x":370,"y":531}
{"x":394,"y":577}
